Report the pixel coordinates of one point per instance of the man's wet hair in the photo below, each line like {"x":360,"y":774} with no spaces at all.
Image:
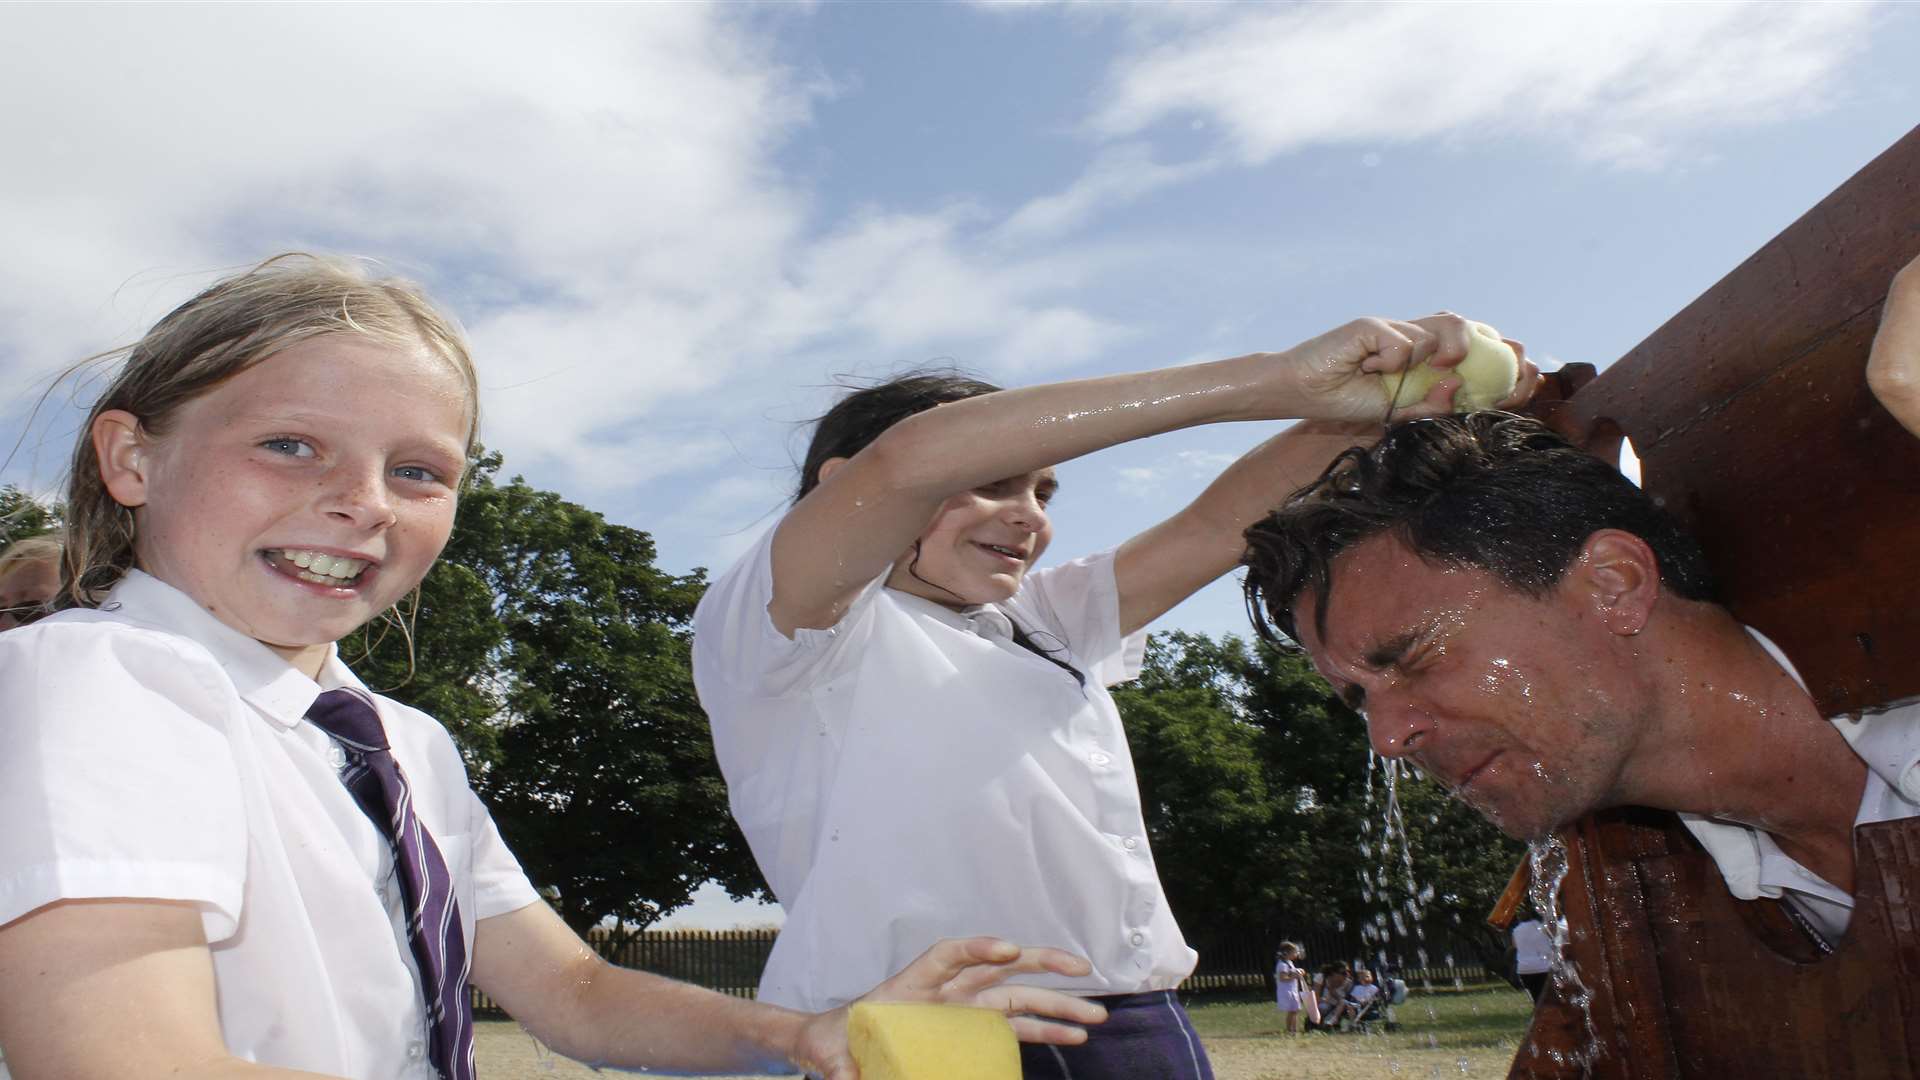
{"x":1488,"y":490}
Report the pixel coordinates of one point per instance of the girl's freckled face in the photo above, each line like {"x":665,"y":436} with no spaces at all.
{"x":337,"y":451}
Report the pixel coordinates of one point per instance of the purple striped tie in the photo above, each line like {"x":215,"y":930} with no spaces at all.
{"x":433,"y":918}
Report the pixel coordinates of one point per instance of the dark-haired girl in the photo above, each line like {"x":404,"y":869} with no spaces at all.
{"x":915,"y":729}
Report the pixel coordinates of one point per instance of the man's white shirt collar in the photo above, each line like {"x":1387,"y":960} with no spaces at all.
{"x":1753,"y":864}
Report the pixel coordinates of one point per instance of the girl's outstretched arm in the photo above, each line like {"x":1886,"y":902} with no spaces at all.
{"x":1893,"y":366}
{"x":546,"y":977}
{"x":1172,"y":560}
{"x":868,"y":509}
{"x":112,"y":989}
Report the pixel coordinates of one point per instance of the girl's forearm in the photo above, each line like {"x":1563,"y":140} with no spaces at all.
{"x":980,"y":440}
{"x":628,"y":1019}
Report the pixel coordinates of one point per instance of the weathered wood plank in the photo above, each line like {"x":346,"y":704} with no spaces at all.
{"x":1751,"y":415}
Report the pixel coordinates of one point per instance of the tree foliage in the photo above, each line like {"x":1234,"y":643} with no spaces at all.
{"x":1265,"y":808}
{"x":559,"y":657}
{"x":21,"y":516}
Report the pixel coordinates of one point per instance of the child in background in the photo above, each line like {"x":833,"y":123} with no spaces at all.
{"x":1359,"y":995}
{"x":223,"y":855}
{"x":29,"y":578}
{"x":1290,"y":986}
{"x":1330,"y":990}
{"x":915,"y":725}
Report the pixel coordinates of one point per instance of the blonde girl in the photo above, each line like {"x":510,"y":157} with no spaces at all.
{"x":1290,"y":985}
{"x":223,"y":855}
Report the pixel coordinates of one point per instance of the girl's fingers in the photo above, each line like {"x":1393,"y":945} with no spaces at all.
{"x":1032,"y":961}
{"x":1449,"y":336}
{"x":1383,"y":346}
{"x":1037,"y":1002}
{"x":1524,"y":387}
{"x":1031,"y":1030}
{"x":968,"y":965}
{"x":939,"y":965}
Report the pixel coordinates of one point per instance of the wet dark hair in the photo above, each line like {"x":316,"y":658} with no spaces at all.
{"x":859,"y":418}
{"x":1489,"y":490}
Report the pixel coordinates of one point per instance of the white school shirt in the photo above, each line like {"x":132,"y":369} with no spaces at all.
{"x":1753,"y":865}
{"x":912,"y":774}
{"x":147,"y":750}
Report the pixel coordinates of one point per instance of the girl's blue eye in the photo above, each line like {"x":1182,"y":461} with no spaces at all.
{"x":290,"y":447}
{"x":416,"y":472}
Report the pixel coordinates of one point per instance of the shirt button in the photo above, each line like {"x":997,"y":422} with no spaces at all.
{"x":1099,"y":759}
{"x":1138,"y":939}
{"x":416,"y":1051}
{"x":1130,"y":843}
{"x":336,"y":756}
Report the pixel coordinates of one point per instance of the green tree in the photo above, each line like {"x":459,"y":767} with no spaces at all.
{"x":559,"y":656}
{"x":1265,"y":808}
{"x":21,"y":516}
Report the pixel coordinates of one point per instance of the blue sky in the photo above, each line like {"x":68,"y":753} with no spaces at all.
{"x":669,"y":227}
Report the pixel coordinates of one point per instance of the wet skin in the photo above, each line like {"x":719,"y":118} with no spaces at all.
{"x":1519,"y":706}
{"x":339,"y":445}
{"x":957,"y":563}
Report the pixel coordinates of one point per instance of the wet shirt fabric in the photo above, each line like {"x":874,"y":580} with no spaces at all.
{"x":150,"y":751}
{"x":1888,"y":740}
{"x":912,"y":774}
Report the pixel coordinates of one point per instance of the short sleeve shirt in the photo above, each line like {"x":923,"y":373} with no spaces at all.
{"x":912,"y":774}
{"x":149,"y":751}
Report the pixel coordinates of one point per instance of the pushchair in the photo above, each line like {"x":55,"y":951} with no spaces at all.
{"x":1380,"y":1009}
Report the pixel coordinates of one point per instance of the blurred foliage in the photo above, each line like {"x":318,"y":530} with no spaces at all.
{"x":1266,"y":809}
{"x":22,"y":516}
{"x":559,"y":658}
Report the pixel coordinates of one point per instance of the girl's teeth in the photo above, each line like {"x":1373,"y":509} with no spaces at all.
{"x":323,"y":569}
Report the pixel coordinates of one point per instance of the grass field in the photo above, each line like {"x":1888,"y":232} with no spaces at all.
{"x":1442,"y":1035}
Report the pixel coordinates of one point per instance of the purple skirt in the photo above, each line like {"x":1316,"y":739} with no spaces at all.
{"x":1146,"y":1037}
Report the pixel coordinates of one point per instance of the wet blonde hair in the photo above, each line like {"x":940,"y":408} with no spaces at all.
{"x":230,"y":326}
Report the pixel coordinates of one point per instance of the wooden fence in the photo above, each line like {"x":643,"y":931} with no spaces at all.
{"x":730,"y":960}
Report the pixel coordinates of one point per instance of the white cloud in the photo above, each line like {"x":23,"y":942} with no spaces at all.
{"x":593,"y":188}
{"x":1118,"y":176}
{"x":1622,"y":84}
{"x":1186,"y":466}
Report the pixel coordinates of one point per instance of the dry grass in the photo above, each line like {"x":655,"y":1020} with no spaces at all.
{"x":1443,"y":1035}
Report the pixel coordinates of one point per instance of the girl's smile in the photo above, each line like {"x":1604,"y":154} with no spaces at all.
{"x":982,"y":542}
{"x":302,"y":497}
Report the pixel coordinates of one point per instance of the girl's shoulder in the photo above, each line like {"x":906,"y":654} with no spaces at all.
{"x":83,"y":670}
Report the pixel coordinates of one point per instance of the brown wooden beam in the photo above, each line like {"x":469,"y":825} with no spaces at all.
{"x":1753,"y":422}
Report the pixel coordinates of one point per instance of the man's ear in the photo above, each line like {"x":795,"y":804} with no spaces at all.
{"x":1618,"y":574}
{"x":830,"y":466}
{"x":121,"y":445}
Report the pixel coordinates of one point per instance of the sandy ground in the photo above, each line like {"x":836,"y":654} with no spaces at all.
{"x":505,"y":1052}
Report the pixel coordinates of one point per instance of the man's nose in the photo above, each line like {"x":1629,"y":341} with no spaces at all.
{"x":1396,"y":727}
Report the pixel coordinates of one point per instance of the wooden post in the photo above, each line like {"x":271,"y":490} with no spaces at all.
{"x":1750,"y":414}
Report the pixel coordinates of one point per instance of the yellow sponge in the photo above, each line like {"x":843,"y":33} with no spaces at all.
{"x":908,"y":1041}
{"x":1487,"y":375}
